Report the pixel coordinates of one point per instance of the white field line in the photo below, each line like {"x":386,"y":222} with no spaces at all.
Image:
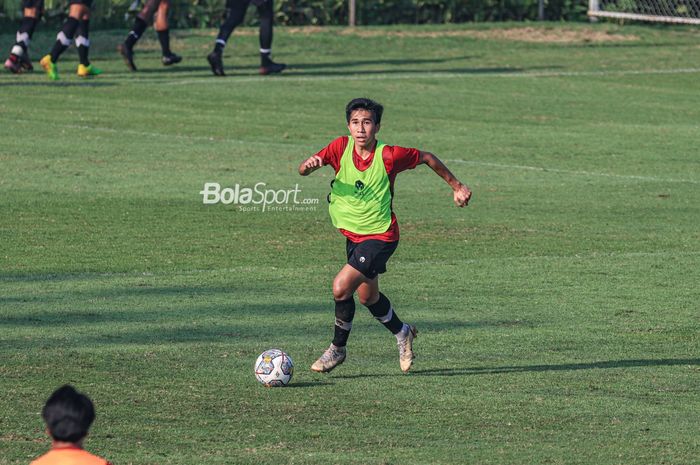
{"x":574,"y":172}
{"x":373,"y":75}
{"x":409,"y":264}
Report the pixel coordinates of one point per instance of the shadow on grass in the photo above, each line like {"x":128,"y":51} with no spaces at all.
{"x":388,"y":62}
{"x":308,"y":70}
{"x":24,"y":83}
{"x":68,"y":276}
{"x":470,"y":371}
{"x":412,"y":71}
{"x":137,"y":291}
{"x":158,"y":336}
{"x":179,"y":314}
{"x":309,"y":384}
{"x":169,"y":69}
{"x":308,"y":66}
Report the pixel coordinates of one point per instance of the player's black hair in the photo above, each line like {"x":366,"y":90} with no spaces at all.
{"x":68,"y":414}
{"x":370,"y":105}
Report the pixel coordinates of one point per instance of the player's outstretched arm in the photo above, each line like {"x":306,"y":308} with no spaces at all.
{"x":310,"y":165}
{"x":461,"y":192}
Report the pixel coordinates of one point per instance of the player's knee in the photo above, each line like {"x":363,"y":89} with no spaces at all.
{"x":341,"y":291}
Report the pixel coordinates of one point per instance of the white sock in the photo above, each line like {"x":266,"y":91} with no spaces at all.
{"x":401,"y":335}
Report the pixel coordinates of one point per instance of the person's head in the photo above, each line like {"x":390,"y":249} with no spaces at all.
{"x":364,"y":117}
{"x":68,"y":414}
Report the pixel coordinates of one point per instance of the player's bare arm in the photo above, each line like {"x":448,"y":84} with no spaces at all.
{"x":310,"y":165}
{"x":461,"y":191}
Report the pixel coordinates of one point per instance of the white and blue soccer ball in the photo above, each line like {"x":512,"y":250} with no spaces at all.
{"x":274,"y":368}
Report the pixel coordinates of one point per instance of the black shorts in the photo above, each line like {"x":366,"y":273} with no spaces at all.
{"x":369,"y":257}
{"x":87,"y":3}
{"x":38,"y":4}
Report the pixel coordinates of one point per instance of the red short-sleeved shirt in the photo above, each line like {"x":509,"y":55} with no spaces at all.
{"x":396,"y":159}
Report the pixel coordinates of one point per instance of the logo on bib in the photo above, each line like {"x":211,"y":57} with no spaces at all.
{"x":359,"y":188}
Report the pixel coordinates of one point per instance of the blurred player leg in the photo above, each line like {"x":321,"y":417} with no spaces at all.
{"x":82,"y":41}
{"x":78,"y":9}
{"x":126,"y":49}
{"x":19,"y":61}
{"x":163,"y":30}
{"x":267,"y":66}
{"x":235,"y":12}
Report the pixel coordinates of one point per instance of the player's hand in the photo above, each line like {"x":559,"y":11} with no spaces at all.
{"x":311,"y":164}
{"x":462,"y":195}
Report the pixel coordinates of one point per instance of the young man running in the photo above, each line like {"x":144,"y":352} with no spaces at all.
{"x":235,"y":12}
{"x":78,"y":21}
{"x":159,"y":8}
{"x":361,"y":208}
{"x":18,"y":61}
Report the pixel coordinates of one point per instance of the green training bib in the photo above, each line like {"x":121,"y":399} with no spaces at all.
{"x":360,"y":201}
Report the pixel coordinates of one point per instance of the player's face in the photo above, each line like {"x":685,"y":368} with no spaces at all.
{"x":362,"y":128}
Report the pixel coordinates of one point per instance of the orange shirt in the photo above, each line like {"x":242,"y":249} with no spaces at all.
{"x":69,"y":456}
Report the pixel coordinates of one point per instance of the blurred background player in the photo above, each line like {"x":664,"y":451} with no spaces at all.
{"x":68,"y":415}
{"x":18,"y":61}
{"x":78,"y":21}
{"x":235,"y":12}
{"x":159,"y":8}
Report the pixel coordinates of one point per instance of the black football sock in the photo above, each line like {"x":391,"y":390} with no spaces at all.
{"x":83,"y":42}
{"x":384,"y":312}
{"x":344,"y":314}
{"x":135,"y":34}
{"x":24,"y":36}
{"x":64,"y":38}
{"x":266,"y":13}
{"x":164,"y":39}
{"x":234,"y":17}
{"x":265,"y":59}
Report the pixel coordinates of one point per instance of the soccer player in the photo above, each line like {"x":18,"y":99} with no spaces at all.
{"x":361,"y":208}
{"x":78,"y":21}
{"x":235,"y":12}
{"x":159,"y":8}
{"x":68,"y":415}
{"x":18,"y":61}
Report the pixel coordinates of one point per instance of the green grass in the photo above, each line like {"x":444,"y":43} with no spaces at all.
{"x":558,"y":314}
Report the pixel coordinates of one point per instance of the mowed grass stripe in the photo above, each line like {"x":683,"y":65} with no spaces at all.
{"x":289,"y":270}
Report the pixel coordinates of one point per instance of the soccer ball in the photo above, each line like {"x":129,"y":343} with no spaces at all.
{"x":274,"y":368}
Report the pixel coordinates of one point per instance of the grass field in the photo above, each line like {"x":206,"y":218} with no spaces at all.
{"x":558,"y":313}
